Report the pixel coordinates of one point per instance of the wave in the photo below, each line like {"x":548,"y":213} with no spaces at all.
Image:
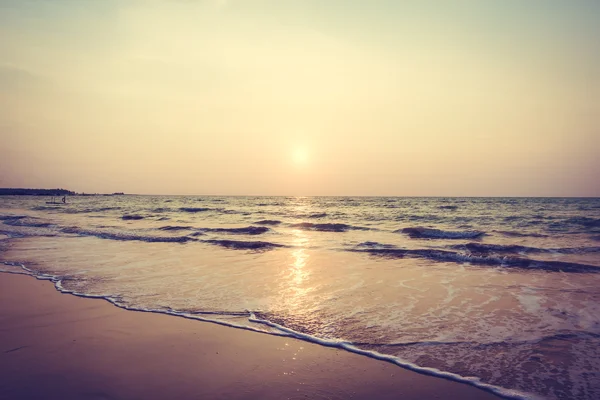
{"x":292,"y":214}
{"x":375,"y":245}
{"x":448,"y":207}
{"x":328,"y":227}
{"x":38,"y":224}
{"x":174,"y":228}
{"x":268,"y":222}
{"x":194,"y":209}
{"x":70,"y":210}
{"x":521,"y":234}
{"x":247,"y":230}
{"x":561,"y":336}
{"x":44,"y":208}
{"x":11,"y":217}
{"x":317,"y":215}
{"x":132,"y":217}
{"x":353,"y":348}
{"x":227,"y":211}
{"x":421,"y":218}
{"x":161,"y":209}
{"x":507,"y":262}
{"x":5,"y":235}
{"x":588,"y":224}
{"x":499,"y":248}
{"x":21,"y":220}
{"x":431,"y":233}
{"x":575,"y":250}
{"x":14,"y":235}
{"x":244,"y":245}
{"x":375,"y":218}
{"x":585,"y":221}
{"x":127,"y":236}
{"x":90,"y":210}
{"x":205,"y":209}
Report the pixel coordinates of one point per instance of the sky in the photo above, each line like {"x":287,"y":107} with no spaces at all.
{"x":307,"y":97}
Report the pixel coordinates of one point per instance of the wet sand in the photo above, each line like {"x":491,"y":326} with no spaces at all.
{"x":58,"y":346}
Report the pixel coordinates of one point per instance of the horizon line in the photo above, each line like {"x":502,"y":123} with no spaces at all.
{"x":122,"y":193}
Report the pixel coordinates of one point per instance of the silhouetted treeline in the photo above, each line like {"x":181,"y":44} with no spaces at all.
{"x":35,"y":192}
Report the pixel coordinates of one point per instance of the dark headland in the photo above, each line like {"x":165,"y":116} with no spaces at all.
{"x":35,"y":192}
{"x":49,"y":192}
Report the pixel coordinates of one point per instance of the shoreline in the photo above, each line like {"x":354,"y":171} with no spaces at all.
{"x":60,"y":346}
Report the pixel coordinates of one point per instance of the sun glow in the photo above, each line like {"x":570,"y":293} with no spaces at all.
{"x":300,"y":156}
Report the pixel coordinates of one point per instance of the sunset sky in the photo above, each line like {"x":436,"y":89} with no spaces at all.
{"x":307,"y":97}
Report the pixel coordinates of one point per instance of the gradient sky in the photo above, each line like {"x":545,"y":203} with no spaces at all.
{"x":307,"y":97}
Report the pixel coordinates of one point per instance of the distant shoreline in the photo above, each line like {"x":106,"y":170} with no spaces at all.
{"x":49,"y":192}
{"x":65,"y":192}
{"x":35,"y":192}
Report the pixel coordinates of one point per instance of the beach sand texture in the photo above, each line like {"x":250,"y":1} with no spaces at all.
{"x":57,"y":346}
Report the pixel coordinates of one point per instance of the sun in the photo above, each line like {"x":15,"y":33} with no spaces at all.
{"x":300,"y":156}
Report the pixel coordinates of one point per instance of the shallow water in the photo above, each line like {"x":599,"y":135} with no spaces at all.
{"x":501,"y":292}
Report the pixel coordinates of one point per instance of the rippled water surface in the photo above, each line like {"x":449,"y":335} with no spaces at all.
{"x":502,"y":292}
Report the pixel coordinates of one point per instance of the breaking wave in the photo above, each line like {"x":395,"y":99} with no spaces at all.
{"x":205,"y":209}
{"x":127,"y":236}
{"x":448,"y":207}
{"x":11,"y":217}
{"x":507,"y":262}
{"x":499,"y":248}
{"x":161,"y":210}
{"x":431,"y":233}
{"x":20,"y":220}
{"x":132,"y":217}
{"x":174,"y":228}
{"x":584,"y":221}
{"x":316,"y":215}
{"x":248,"y":230}
{"x":194,"y":209}
{"x":309,"y":226}
{"x":244,"y":245}
{"x":521,"y":234}
{"x":268,"y":222}
{"x":375,"y":245}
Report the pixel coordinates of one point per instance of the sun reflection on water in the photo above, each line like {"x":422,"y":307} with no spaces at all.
{"x":296,"y":302}
{"x":298,"y":271}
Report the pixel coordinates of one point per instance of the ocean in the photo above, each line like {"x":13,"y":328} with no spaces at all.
{"x":499,"y":293}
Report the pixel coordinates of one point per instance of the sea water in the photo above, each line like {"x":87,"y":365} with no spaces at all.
{"x":500,"y":293}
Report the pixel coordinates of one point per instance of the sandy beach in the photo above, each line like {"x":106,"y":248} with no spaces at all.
{"x":57,"y":346}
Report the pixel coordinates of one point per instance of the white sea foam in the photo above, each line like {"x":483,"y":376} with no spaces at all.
{"x":280,"y":331}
